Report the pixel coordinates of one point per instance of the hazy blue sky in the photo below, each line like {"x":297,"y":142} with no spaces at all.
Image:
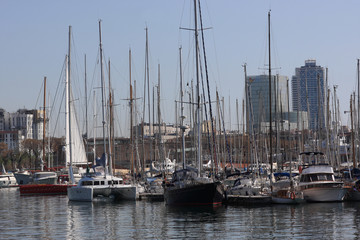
{"x":34,"y":41}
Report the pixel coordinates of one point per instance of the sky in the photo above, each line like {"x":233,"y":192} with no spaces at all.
{"x":34,"y":42}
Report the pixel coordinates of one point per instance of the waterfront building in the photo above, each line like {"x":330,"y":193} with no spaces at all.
{"x":168,"y":131}
{"x":308,"y":93}
{"x":20,"y":125}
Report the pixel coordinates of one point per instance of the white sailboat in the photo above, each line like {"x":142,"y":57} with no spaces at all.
{"x":96,"y":184}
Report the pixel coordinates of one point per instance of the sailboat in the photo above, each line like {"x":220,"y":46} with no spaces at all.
{"x":100,"y":183}
{"x":188,"y":186}
{"x":43,"y":182}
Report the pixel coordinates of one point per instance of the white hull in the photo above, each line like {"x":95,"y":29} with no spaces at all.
{"x":45,"y":178}
{"x":80,"y":194}
{"x":324,"y":194}
{"x":7,"y":180}
{"x":50,"y":180}
{"x":88,"y":194}
{"x":23,"y":177}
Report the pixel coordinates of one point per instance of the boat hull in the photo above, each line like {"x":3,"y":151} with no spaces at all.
{"x":7,"y":181}
{"x":287,"y":197}
{"x":124,"y":193}
{"x":52,"y":180}
{"x":88,"y":194}
{"x":80,"y":194}
{"x":43,"y":189}
{"x":23,"y":178}
{"x":198,"y":194}
{"x":324,"y":194}
{"x":248,"y":200}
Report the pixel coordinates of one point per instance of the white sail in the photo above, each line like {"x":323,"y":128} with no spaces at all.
{"x":78,"y":155}
{"x":73,"y":136}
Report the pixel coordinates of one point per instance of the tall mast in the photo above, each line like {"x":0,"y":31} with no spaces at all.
{"x":44,"y":125}
{"x":182,"y":114}
{"x":288,"y":154}
{"x":131,"y":118}
{"x":86,"y":110}
{"x":102,"y":95}
{"x":49,"y":138}
{"x":238,"y":132}
{"x":197,"y":91}
{"x":319,"y":115}
{"x":94,"y":129}
{"x":161,"y":144}
{"x":352,"y":131}
{"x":270,"y":114}
{"x":148,"y":90}
{"x":111,"y":124}
{"x":358,"y":102}
{"x":249,"y":121}
{"x":68,"y":106}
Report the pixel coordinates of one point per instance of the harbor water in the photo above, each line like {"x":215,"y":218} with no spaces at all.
{"x":54,"y":217}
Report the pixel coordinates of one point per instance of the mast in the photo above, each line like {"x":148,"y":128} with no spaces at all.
{"x":86,"y":110}
{"x":288,"y":154}
{"x":352,"y":131}
{"x":358,"y":102}
{"x":161,"y":144}
{"x":197,"y":92}
{"x":68,"y":107}
{"x":94,"y":129}
{"x":247,"y":113}
{"x":137,"y":157}
{"x":103,"y":96}
{"x":148,"y":90}
{"x":48,"y":131}
{"x":44,"y":125}
{"x":182,"y":117}
{"x":270,"y":114}
{"x":111,"y":125}
{"x":238,"y":132}
{"x":319,"y":113}
{"x":131,"y":119}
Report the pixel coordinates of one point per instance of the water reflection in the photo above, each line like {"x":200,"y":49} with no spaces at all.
{"x":54,"y":217}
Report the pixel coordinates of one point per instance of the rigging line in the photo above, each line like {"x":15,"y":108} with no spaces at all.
{"x":226,"y":139}
{"x":181,"y":18}
{"x":57,"y":119}
{"x":275,"y":51}
{"x":37,"y":100}
{"x":206,"y":113}
{"x":58,"y":87}
{"x":208,"y":87}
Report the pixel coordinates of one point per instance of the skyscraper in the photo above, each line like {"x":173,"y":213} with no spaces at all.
{"x":258,"y":91}
{"x":308,"y":93}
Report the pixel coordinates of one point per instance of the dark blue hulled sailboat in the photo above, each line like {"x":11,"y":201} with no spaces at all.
{"x":187,"y":186}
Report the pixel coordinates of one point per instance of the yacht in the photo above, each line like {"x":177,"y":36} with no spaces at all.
{"x":7,"y":180}
{"x":317,"y":181}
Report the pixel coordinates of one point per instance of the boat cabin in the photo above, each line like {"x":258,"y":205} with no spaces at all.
{"x":100,"y":182}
